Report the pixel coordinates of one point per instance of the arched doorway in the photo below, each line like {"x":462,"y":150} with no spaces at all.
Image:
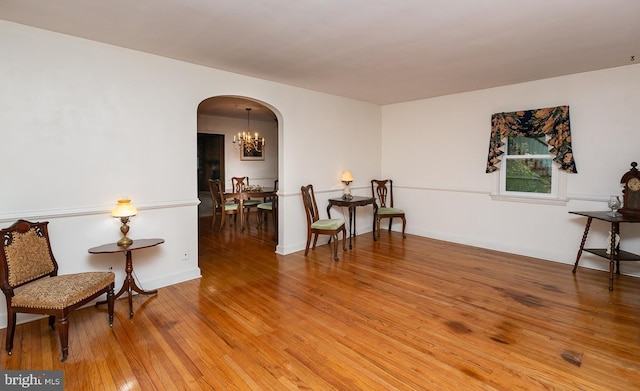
{"x":220,"y":118}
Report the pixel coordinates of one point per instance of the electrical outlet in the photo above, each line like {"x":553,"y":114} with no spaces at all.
{"x":185,"y":255}
{"x":110,"y":268}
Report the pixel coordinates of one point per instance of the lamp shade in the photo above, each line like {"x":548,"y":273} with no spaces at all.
{"x":124,"y":209}
{"x":347,"y":176}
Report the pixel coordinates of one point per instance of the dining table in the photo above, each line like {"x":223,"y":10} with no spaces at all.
{"x":241,"y":196}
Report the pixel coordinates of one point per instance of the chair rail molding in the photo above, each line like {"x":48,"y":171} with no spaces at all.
{"x":89,"y":211}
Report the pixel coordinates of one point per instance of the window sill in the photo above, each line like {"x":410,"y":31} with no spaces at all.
{"x":529,"y":200}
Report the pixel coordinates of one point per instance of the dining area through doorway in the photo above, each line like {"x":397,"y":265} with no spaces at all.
{"x":237,"y":229}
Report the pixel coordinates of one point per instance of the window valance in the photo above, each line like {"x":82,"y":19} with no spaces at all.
{"x":552,"y":122}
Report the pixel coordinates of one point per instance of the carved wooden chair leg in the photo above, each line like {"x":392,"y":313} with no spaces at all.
{"x":404,"y":226}
{"x":63,"y":331}
{"x":11,"y":330}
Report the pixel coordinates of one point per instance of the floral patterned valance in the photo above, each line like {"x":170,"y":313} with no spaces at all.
{"x":552,"y":122}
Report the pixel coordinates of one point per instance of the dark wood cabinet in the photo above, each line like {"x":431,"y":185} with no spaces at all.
{"x":210,"y":159}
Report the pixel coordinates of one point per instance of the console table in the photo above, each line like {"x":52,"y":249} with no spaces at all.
{"x":616,"y":255}
{"x":129,"y":284}
{"x":352,"y":203}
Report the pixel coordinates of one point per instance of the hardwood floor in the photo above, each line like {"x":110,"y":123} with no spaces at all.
{"x":413,"y":314}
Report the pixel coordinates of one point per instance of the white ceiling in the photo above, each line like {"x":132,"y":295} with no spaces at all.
{"x":379,"y":51}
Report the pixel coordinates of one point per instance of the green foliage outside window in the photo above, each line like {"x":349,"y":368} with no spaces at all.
{"x":529,"y":175}
{"x":526,"y":173}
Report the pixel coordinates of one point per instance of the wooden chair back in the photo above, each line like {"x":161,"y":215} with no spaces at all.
{"x":275,"y":190}
{"x":216,"y":193}
{"x":26,"y":255}
{"x":310,"y":206}
{"x":239,"y":183}
{"x":382,"y":189}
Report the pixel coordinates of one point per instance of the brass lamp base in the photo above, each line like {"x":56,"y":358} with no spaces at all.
{"x":125,"y":241}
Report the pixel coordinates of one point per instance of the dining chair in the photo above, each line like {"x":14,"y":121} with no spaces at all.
{"x":382,"y":190}
{"x":239,"y":184}
{"x":317,"y":226}
{"x":31,"y":284}
{"x":268,"y":207}
{"x":220,"y":205}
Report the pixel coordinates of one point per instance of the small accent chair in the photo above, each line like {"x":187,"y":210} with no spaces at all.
{"x":268,"y":207}
{"x":220,"y":206}
{"x":25,"y":261}
{"x":238,"y":184}
{"x":382,"y":190}
{"x":317,"y":226}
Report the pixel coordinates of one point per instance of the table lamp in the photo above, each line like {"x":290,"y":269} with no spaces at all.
{"x":347,"y":178}
{"x":123,"y":211}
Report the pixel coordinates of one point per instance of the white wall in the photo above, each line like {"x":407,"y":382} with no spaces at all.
{"x":84,"y":123}
{"x":260,"y":172}
{"x":445,"y":141}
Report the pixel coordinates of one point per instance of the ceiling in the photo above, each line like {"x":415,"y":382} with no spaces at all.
{"x":379,"y":51}
{"x":234,"y":107}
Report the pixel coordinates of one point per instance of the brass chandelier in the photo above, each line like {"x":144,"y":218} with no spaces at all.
{"x":245,"y":141}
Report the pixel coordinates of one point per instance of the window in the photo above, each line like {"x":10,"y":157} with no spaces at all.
{"x":534,"y":147}
{"x":529,"y":168}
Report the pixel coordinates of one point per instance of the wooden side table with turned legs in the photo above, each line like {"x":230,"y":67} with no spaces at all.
{"x":129,"y":284}
{"x":612,"y":252}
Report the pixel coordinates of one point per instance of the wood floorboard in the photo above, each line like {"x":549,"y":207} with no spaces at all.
{"x":395,"y":314}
